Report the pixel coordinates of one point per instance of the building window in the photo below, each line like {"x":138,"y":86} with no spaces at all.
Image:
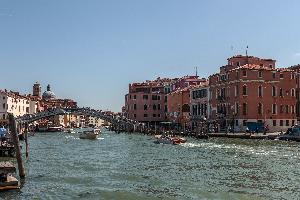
{"x":145,"y":107}
{"x":293,"y":109}
{"x":3,"y":116}
{"x":145,"y":115}
{"x":134,"y":115}
{"x":281,"y":109}
{"x":293,"y":122}
{"x":260,"y":109}
{"x":134,"y":106}
{"x":274,"y":75}
{"x":244,"y":122}
{"x":273,"y":91}
{"x":154,"y":115}
{"x":281,"y":75}
{"x":244,"y":73}
{"x":292,"y":75}
{"x":236,"y":108}
{"x":236,"y":90}
{"x":274,"y":109}
{"x":293,"y":92}
{"x":3,"y":105}
{"x":287,"y":122}
{"x":236,"y":122}
{"x":129,"y":96}
{"x":166,"y":108}
{"x":274,"y":123}
{"x":134,"y":96}
{"x":287,"y":109}
{"x":154,"y":107}
{"x":158,"y":115}
{"x":259,"y":74}
{"x":145,"y":97}
{"x":238,"y":63}
{"x":244,"y":109}
{"x":280,"y":92}
{"x":281,"y":122}
{"x":260,"y":91}
{"x":158,"y":106}
{"x":244,"y":89}
{"x":270,"y":65}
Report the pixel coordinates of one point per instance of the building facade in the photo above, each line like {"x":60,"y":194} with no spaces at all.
{"x":251,"y":89}
{"x":146,"y":102}
{"x":199,"y":106}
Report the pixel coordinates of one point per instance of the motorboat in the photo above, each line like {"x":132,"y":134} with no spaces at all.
{"x":161,"y":139}
{"x":292,"y":134}
{"x":55,"y":129}
{"x":91,"y":134}
{"x":7,"y":180}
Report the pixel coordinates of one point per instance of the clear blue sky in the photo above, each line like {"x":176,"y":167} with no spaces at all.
{"x":89,"y":50}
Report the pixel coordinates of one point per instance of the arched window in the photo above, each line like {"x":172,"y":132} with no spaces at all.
{"x":245,"y":109}
{"x":260,"y":109}
{"x":292,"y":92}
{"x":260,"y":91}
{"x":273,"y":91}
{"x":245,"y":90}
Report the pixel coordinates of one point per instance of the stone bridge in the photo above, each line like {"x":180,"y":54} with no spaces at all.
{"x":117,"y":122}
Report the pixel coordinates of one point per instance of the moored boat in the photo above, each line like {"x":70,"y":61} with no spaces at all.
{"x":7,"y":180}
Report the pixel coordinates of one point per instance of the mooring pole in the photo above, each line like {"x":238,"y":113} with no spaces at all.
{"x":26,"y":139}
{"x":15,"y":137}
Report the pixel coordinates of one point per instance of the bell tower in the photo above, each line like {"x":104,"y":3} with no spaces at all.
{"x":37,"y":90}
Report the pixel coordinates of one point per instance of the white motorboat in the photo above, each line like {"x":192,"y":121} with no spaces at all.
{"x":89,"y":135}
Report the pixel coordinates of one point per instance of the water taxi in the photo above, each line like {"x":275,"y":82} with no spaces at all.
{"x":90,"y":134}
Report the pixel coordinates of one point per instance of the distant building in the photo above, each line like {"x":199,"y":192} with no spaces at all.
{"x":15,"y":103}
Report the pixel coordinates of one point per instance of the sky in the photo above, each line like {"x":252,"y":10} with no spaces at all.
{"x":90,"y":50}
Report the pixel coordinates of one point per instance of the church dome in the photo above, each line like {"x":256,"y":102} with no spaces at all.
{"x":49,"y":94}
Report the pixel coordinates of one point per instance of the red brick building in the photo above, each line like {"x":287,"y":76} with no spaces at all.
{"x":251,"y":89}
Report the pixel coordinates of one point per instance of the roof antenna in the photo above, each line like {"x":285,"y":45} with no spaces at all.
{"x":247,"y":51}
{"x":196,"y":71}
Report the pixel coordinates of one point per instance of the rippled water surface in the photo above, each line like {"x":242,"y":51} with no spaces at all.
{"x":131,"y":166}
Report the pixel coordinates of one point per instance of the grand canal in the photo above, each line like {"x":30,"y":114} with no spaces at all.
{"x":131,"y":166}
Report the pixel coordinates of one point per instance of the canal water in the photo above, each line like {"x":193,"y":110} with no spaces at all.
{"x":131,"y":166}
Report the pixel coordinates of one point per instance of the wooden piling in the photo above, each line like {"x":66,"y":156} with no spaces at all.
{"x":15,"y":138}
{"x":26,"y":140}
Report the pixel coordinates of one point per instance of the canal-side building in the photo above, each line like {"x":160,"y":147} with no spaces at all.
{"x":199,"y":106}
{"x":251,"y":89}
{"x":15,"y":103}
{"x":146,"y":101}
{"x":178,"y":106}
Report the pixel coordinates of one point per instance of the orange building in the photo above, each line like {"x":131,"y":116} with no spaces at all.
{"x":178,"y":105}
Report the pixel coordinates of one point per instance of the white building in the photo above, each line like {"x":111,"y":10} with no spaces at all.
{"x":18,"y":105}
